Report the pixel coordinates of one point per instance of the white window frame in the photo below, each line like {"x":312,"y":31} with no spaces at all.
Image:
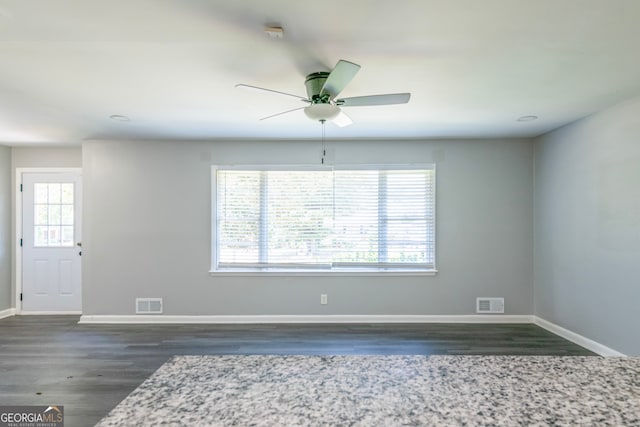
{"x":341,"y":270}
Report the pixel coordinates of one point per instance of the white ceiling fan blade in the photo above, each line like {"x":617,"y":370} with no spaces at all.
{"x":387,"y":99}
{"x":262,"y":89}
{"x":283,"y":112}
{"x":342,"y":120}
{"x":339,"y":78}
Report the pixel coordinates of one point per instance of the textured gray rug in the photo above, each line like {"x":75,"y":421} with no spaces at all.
{"x":385,"y":391}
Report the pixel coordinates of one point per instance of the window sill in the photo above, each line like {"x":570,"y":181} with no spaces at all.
{"x":317,"y":273}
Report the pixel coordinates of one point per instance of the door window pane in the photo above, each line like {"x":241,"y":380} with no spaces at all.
{"x":67,"y":193}
{"x":40,"y":236}
{"x":67,"y":236}
{"x":41,"y":215}
{"x":41,"y":193}
{"x":54,"y":236}
{"x":53,"y":214}
{"x":67,"y":215}
{"x":54,"y":193}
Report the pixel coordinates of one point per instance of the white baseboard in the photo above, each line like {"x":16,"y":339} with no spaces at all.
{"x":49,"y":313}
{"x":585,"y":342}
{"x":86,"y":319}
{"x":7,"y":313}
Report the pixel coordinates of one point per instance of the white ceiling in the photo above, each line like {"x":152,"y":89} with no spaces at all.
{"x":473,"y":67}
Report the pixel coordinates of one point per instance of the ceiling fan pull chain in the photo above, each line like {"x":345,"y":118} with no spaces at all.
{"x":324,"y":151}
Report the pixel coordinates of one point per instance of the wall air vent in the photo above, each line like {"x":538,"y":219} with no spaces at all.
{"x":490,"y":305}
{"x":148,"y":305}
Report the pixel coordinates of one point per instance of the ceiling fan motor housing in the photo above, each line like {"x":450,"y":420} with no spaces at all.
{"x":314,"y":83}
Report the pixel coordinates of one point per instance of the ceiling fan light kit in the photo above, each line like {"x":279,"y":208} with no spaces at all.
{"x":322,"y":112}
{"x":323,"y":88}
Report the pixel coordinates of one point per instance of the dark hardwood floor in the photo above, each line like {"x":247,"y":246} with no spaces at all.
{"x":90,"y":368}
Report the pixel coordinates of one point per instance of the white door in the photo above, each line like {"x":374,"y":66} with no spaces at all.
{"x":51,"y":248}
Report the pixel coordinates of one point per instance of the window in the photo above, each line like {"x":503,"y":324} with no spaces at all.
{"x":53,"y":214}
{"x":380,"y":219}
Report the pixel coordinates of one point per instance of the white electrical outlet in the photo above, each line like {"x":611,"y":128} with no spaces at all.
{"x":323,"y":299}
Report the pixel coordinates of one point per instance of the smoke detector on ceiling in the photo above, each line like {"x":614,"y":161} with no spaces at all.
{"x":274,"y":32}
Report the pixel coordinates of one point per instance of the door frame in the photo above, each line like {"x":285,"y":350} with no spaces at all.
{"x":18,"y":236}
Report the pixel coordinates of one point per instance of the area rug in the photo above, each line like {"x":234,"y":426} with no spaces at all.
{"x":385,"y":391}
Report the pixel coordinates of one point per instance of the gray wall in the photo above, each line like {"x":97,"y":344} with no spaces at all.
{"x":5,"y":227}
{"x":147,"y":227}
{"x":587,"y":227}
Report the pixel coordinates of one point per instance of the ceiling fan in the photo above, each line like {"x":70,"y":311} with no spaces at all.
{"x":323,"y":88}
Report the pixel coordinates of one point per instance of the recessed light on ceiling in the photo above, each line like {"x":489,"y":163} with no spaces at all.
{"x":119,"y":118}
{"x":527,"y":118}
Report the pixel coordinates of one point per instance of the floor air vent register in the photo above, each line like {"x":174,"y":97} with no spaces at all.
{"x":489,"y":305}
{"x":148,"y":305}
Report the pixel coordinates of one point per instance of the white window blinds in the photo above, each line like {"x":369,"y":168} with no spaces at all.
{"x":324,"y":219}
